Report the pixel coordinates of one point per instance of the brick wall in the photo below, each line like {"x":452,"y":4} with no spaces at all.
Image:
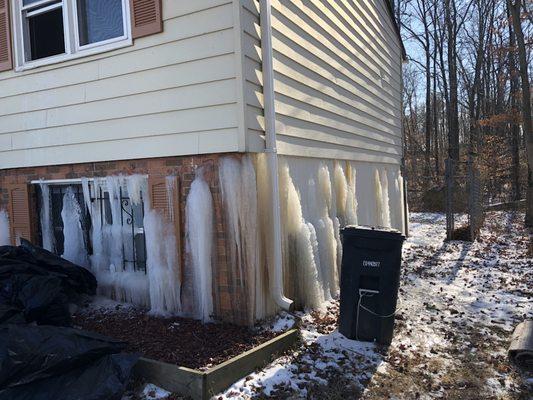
{"x":229,"y":298}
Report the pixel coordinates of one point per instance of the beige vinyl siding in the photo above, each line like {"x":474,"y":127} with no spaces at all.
{"x":169,"y":94}
{"x":253,"y":79}
{"x":337,"y":80}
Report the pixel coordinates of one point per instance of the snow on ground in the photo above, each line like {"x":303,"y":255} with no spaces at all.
{"x":148,"y":391}
{"x":459,"y":303}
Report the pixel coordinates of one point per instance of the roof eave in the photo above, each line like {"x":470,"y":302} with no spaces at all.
{"x":396,"y":27}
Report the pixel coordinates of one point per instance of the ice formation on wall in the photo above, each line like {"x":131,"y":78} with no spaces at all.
{"x":386,"y":218}
{"x":351,"y":200}
{"x":327,"y":227}
{"x":74,"y":246}
{"x":46,"y":220}
{"x":300,"y":245}
{"x":4,"y":229}
{"x":163,"y":265}
{"x":403,"y":212}
{"x":395,"y":193}
{"x":378,"y":188}
{"x":199,"y":236}
{"x":341,"y":191}
{"x":111,"y":238}
{"x":238,"y":184}
{"x":317,"y":197}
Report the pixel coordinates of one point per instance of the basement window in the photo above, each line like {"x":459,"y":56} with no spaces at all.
{"x":51,"y":31}
{"x":116,"y":217}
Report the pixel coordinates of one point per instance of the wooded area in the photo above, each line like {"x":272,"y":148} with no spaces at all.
{"x":467,"y":94}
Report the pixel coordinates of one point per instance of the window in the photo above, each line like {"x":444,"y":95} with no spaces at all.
{"x":48,"y":31}
{"x":99,"y":21}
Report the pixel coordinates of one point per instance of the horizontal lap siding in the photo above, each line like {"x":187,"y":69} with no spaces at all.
{"x":253,"y":85}
{"x":170,"y":94}
{"x":337,"y":80}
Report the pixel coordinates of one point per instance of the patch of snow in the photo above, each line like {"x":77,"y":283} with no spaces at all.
{"x":283,"y":322}
{"x":154,"y":392}
{"x":459,"y":303}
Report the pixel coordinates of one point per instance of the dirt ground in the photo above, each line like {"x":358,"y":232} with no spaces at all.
{"x":459,"y":303}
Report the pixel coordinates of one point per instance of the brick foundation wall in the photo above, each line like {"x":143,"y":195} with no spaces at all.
{"x":229,"y":298}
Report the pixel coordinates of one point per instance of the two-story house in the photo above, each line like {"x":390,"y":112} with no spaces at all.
{"x":201,"y":156}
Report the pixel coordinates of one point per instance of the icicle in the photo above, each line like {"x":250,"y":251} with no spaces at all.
{"x":199,"y":233}
{"x":299,"y":240}
{"x":403,"y":220}
{"x":171,"y":192}
{"x":162,"y":264}
{"x":87,"y":195}
{"x":113,"y":233}
{"x":327,"y":238}
{"x":99,"y":260}
{"x":135,"y":185}
{"x":324,"y":183}
{"x":74,"y":243}
{"x":378,"y":199}
{"x":46,"y":219}
{"x":386,"y":218}
{"x":351,"y":201}
{"x":4,"y":229}
{"x":239,"y":193}
{"x":341,"y":192}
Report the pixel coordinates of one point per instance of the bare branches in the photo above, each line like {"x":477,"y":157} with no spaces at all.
{"x":467,"y":91}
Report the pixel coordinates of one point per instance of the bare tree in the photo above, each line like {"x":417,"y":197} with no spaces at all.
{"x":450,"y":18}
{"x":514,"y":79}
{"x":514,"y":9}
{"x":421,"y":13}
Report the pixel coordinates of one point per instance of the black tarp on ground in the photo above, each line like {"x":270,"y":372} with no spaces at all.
{"x":40,"y":285}
{"x":39,"y":361}
{"x":47,"y":362}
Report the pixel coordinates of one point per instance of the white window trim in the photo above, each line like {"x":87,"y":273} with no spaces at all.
{"x":73,"y":50}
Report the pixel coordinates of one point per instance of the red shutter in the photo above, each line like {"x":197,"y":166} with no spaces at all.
{"x":146,"y":17}
{"x":19,"y":209}
{"x":169,"y":209}
{"x":6,"y":60}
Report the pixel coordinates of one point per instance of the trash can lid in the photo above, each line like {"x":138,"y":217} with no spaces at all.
{"x":374,"y":232}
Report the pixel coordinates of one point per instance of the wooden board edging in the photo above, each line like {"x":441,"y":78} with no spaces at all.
{"x":226,"y":374}
{"x":202,"y":385}
{"x":185,"y":381}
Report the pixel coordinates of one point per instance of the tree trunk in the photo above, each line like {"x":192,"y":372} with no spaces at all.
{"x":450,"y":15}
{"x":514,"y":138}
{"x":514,"y":8}
{"x":428,"y":112}
{"x":434,"y":22}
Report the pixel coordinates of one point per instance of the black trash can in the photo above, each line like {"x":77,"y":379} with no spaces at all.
{"x":370,"y":278}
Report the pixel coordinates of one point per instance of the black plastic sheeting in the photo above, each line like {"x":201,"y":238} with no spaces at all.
{"x":55,"y":363}
{"x":37,"y":286}
{"x":41,"y":357}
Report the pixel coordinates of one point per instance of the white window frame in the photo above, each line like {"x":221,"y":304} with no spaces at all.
{"x":73,"y":49}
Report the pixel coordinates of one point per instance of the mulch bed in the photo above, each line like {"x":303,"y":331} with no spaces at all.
{"x":180,"y":341}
